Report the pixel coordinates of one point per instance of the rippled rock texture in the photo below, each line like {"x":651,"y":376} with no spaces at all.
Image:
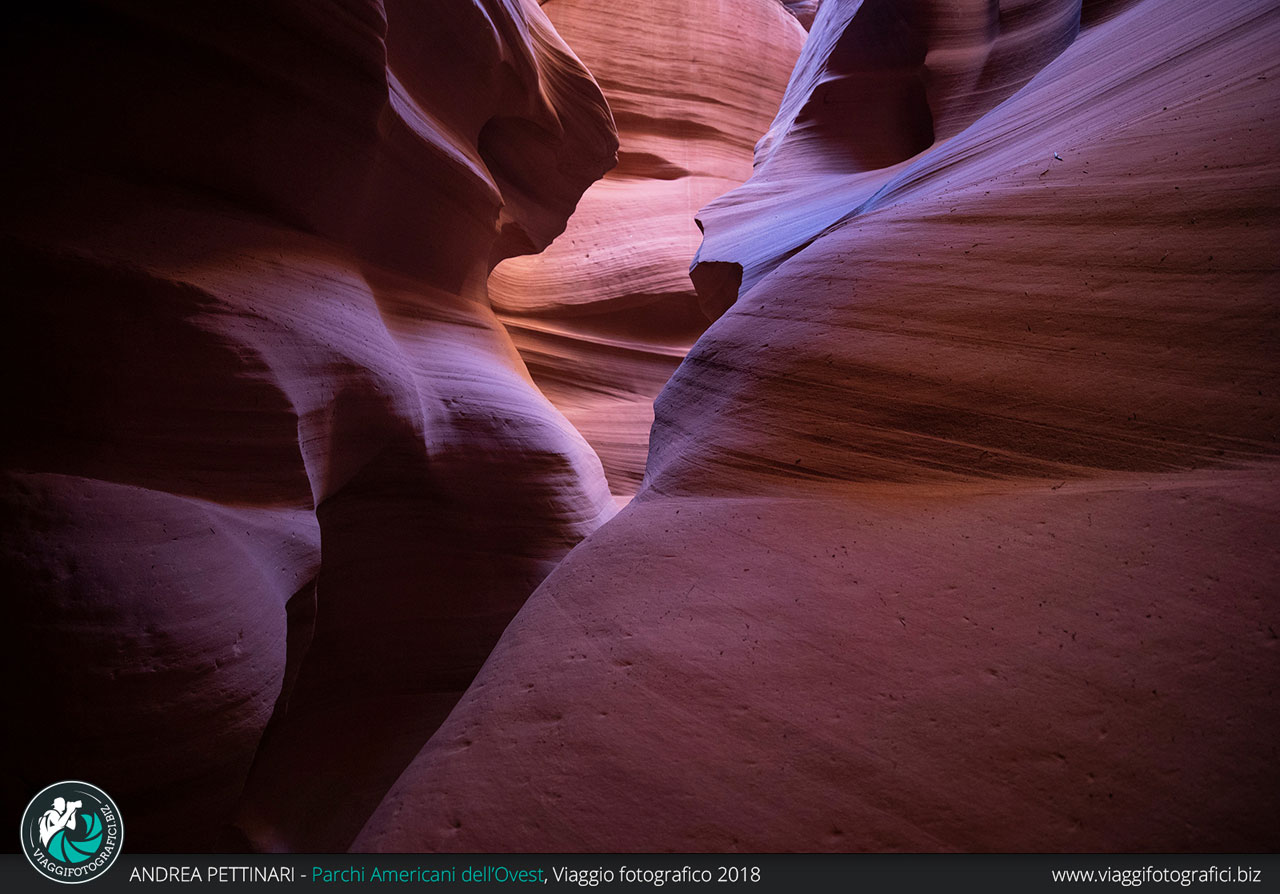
{"x":959,"y":528}
{"x":282,"y":478}
{"x":604,"y":315}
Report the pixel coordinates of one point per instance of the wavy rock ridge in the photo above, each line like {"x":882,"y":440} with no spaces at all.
{"x":606,"y":313}
{"x":283,"y":478}
{"x":958,"y":530}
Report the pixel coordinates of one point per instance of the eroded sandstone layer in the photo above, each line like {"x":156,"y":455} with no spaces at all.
{"x":606,"y":313}
{"x":960,"y":527}
{"x":280,"y":478}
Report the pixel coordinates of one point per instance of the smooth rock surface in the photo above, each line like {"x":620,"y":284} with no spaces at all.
{"x":959,"y":528}
{"x":282,"y":474}
{"x":606,"y":313}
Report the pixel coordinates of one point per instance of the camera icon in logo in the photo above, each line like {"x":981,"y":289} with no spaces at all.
{"x":72,"y":832}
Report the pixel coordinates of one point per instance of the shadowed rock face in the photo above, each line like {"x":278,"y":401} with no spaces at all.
{"x":803,"y":10}
{"x":604,"y":315}
{"x":958,"y":530}
{"x":281,"y":468}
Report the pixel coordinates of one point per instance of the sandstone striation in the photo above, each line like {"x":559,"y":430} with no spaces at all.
{"x":958,"y":529}
{"x":606,"y":313}
{"x":282,"y":478}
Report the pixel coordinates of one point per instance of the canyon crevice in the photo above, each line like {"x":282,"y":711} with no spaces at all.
{"x":678,"y":426}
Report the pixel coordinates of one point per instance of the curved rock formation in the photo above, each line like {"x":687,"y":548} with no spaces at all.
{"x":604,"y":315}
{"x":959,"y":527}
{"x":282,"y":469}
{"x":881,"y":82}
{"x":803,"y":10}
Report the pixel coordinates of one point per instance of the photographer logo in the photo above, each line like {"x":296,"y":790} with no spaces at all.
{"x":72,"y":832}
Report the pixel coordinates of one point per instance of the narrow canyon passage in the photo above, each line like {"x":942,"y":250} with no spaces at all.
{"x":604,"y":315}
{"x":682,"y":425}
{"x":959,"y":528}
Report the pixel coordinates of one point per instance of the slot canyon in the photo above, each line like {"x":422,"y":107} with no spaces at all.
{"x":676,"y":425}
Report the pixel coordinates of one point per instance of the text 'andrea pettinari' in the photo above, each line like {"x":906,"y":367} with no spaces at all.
{"x":213,"y":874}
